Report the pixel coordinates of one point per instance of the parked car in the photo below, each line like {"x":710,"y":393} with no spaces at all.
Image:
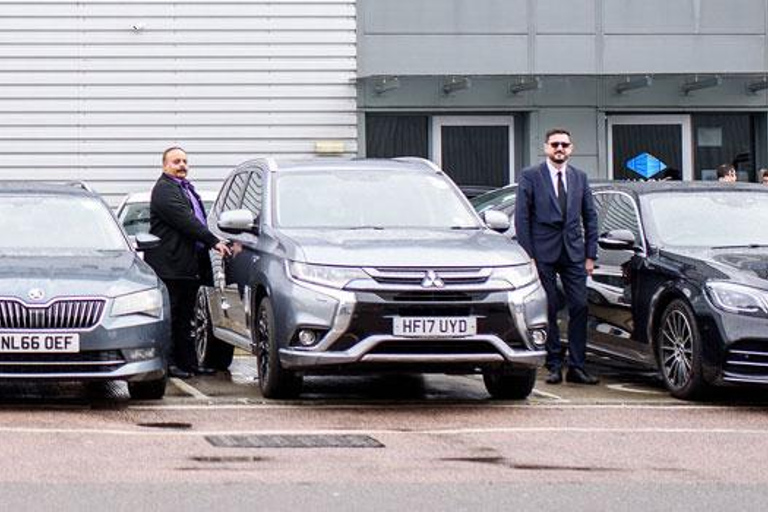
{"x":681,"y":283}
{"x":133,"y":211}
{"x":363,"y":265}
{"x":76,"y":302}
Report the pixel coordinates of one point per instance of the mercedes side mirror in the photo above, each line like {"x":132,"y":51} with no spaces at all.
{"x":617,"y":240}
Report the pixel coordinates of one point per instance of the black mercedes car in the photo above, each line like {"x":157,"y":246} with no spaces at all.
{"x":682,"y":282}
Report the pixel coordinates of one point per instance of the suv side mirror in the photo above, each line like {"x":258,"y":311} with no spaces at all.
{"x":238,"y":221}
{"x":617,"y":240}
{"x":496,"y":220}
{"x":145,"y":241}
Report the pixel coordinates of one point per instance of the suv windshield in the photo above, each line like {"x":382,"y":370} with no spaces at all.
{"x":708,"y":218}
{"x":369,"y":199}
{"x":56,"y":223}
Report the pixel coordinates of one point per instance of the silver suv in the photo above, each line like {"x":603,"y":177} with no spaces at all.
{"x":363,"y":265}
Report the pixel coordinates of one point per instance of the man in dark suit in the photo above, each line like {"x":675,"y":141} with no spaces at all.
{"x":177,"y":217}
{"x":556,"y":224}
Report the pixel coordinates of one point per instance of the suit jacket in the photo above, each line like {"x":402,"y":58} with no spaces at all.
{"x":541,"y":229}
{"x":172,"y":219}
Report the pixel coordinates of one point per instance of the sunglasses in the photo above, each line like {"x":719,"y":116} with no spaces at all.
{"x":561,"y":144}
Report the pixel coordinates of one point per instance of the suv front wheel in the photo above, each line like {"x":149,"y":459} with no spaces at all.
{"x":503,"y":382}
{"x":274,"y":380}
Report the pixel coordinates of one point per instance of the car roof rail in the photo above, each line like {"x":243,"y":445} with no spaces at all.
{"x":419,"y":160}
{"x":80,"y":184}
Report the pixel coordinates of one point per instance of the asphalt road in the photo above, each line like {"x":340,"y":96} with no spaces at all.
{"x":382,"y":443}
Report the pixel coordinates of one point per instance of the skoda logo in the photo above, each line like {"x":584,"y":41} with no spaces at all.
{"x":36,"y":294}
{"x":432,"y":280}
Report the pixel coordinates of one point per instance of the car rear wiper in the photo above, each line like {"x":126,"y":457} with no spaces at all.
{"x":740,"y":246}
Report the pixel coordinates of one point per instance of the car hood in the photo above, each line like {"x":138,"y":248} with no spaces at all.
{"x":404,"y":248}
{"x":86,"y":274}
{"x":747,"y":265}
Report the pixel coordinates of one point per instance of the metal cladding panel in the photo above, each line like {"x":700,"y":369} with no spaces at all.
{"x":94,"y":90}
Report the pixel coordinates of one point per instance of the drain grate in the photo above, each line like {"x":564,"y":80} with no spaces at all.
{"x":294,"y":441}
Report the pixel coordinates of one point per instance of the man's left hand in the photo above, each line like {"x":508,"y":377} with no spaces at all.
{"x":589,"y":265}
{"x":223,"y":249}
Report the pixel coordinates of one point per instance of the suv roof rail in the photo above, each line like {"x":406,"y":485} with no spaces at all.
{"x":80,"y":184}
{"x":271,"y":163}
{"x":417,"y":159}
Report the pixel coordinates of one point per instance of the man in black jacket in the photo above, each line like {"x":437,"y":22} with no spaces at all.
{"x":177,"y":217}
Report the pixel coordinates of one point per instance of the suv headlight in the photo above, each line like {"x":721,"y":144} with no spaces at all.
{"x":333,"y":277}
{"x":737,"y":298}
{"x":147,"y":302}
{"x":517,"y":275}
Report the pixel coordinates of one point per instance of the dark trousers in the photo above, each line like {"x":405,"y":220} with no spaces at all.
{"x":183,"y":296}
{"x":573,"y":275}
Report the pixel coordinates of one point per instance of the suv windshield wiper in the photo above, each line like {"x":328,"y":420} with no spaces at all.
{"x":740,"y":246}
{"x":356,"y":228}
{"x":465,"y":227}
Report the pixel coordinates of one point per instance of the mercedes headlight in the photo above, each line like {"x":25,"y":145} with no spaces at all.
{"x":737,"y":298}
{"x":147,"y":302}
{"x":516,"y":275}
{"x":333,"y":277}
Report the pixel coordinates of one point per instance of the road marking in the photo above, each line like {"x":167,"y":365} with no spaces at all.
{"x":626,"y":387}
{"x":538,"y":392}
{"x":150,"y":432}
{"x":246,"y":403}
{"x":188,"y":389}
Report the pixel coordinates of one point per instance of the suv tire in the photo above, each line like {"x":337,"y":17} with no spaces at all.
{"x":274,"y":380}
{"x":502,"y":382}
{"x":211,"y":352}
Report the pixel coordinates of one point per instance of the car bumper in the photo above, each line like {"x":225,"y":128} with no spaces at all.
{"x":358,"y":329}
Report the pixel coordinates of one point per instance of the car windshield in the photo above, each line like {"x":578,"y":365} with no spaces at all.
{"x":370,"y":199}
{"x":494,"y":198}
{"x":135,"y":216}
{"x":709,"y":218}
{"x":41,"y":223}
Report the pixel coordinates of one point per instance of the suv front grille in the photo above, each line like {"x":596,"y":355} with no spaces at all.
{"x":59,"y":314}
{"x":415,"y":276}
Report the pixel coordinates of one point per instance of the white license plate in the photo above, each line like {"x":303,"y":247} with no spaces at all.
{"x":434,"y":326}
{"x":39,"y":342}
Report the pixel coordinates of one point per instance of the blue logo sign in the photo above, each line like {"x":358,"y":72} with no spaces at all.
{"x":646,"y":165}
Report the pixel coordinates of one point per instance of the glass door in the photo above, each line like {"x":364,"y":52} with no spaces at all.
{"x":646,"y":147}
{"x":475,"y":150}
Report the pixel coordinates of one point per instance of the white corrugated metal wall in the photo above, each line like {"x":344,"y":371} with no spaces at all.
{"x":96,"y":89}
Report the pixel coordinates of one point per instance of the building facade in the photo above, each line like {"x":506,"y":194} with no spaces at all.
{"x":94,"y":90}
{"x":649,"y":88}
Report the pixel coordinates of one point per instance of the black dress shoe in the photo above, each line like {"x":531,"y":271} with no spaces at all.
{"x":203,"y":370}
{"x":580,"y":376}
{"x":554,"y":377}
{"x":175,"y":371}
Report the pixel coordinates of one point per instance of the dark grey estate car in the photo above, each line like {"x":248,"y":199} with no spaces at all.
{"x":76,"y":302}
{"x":364,"y":265}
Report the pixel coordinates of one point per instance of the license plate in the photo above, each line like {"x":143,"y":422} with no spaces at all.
{"x":434,"y":326}
{"x":39,"y":342}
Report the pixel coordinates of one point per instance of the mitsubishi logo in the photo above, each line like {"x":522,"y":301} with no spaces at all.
{"x":36,"y":294}
{"x":432,"y":280}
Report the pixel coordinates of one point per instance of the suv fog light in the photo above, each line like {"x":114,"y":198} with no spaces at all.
{"x":539,"y":337}
{"x":140,"y":354}
{"x":307,"y":337}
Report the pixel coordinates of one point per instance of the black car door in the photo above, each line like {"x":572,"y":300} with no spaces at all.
{"x":611,"y":325}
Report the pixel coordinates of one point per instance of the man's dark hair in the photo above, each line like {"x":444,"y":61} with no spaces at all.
{"x":557,"y":131}
{"x":172,"y":148}
{"x":723,"y":170}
